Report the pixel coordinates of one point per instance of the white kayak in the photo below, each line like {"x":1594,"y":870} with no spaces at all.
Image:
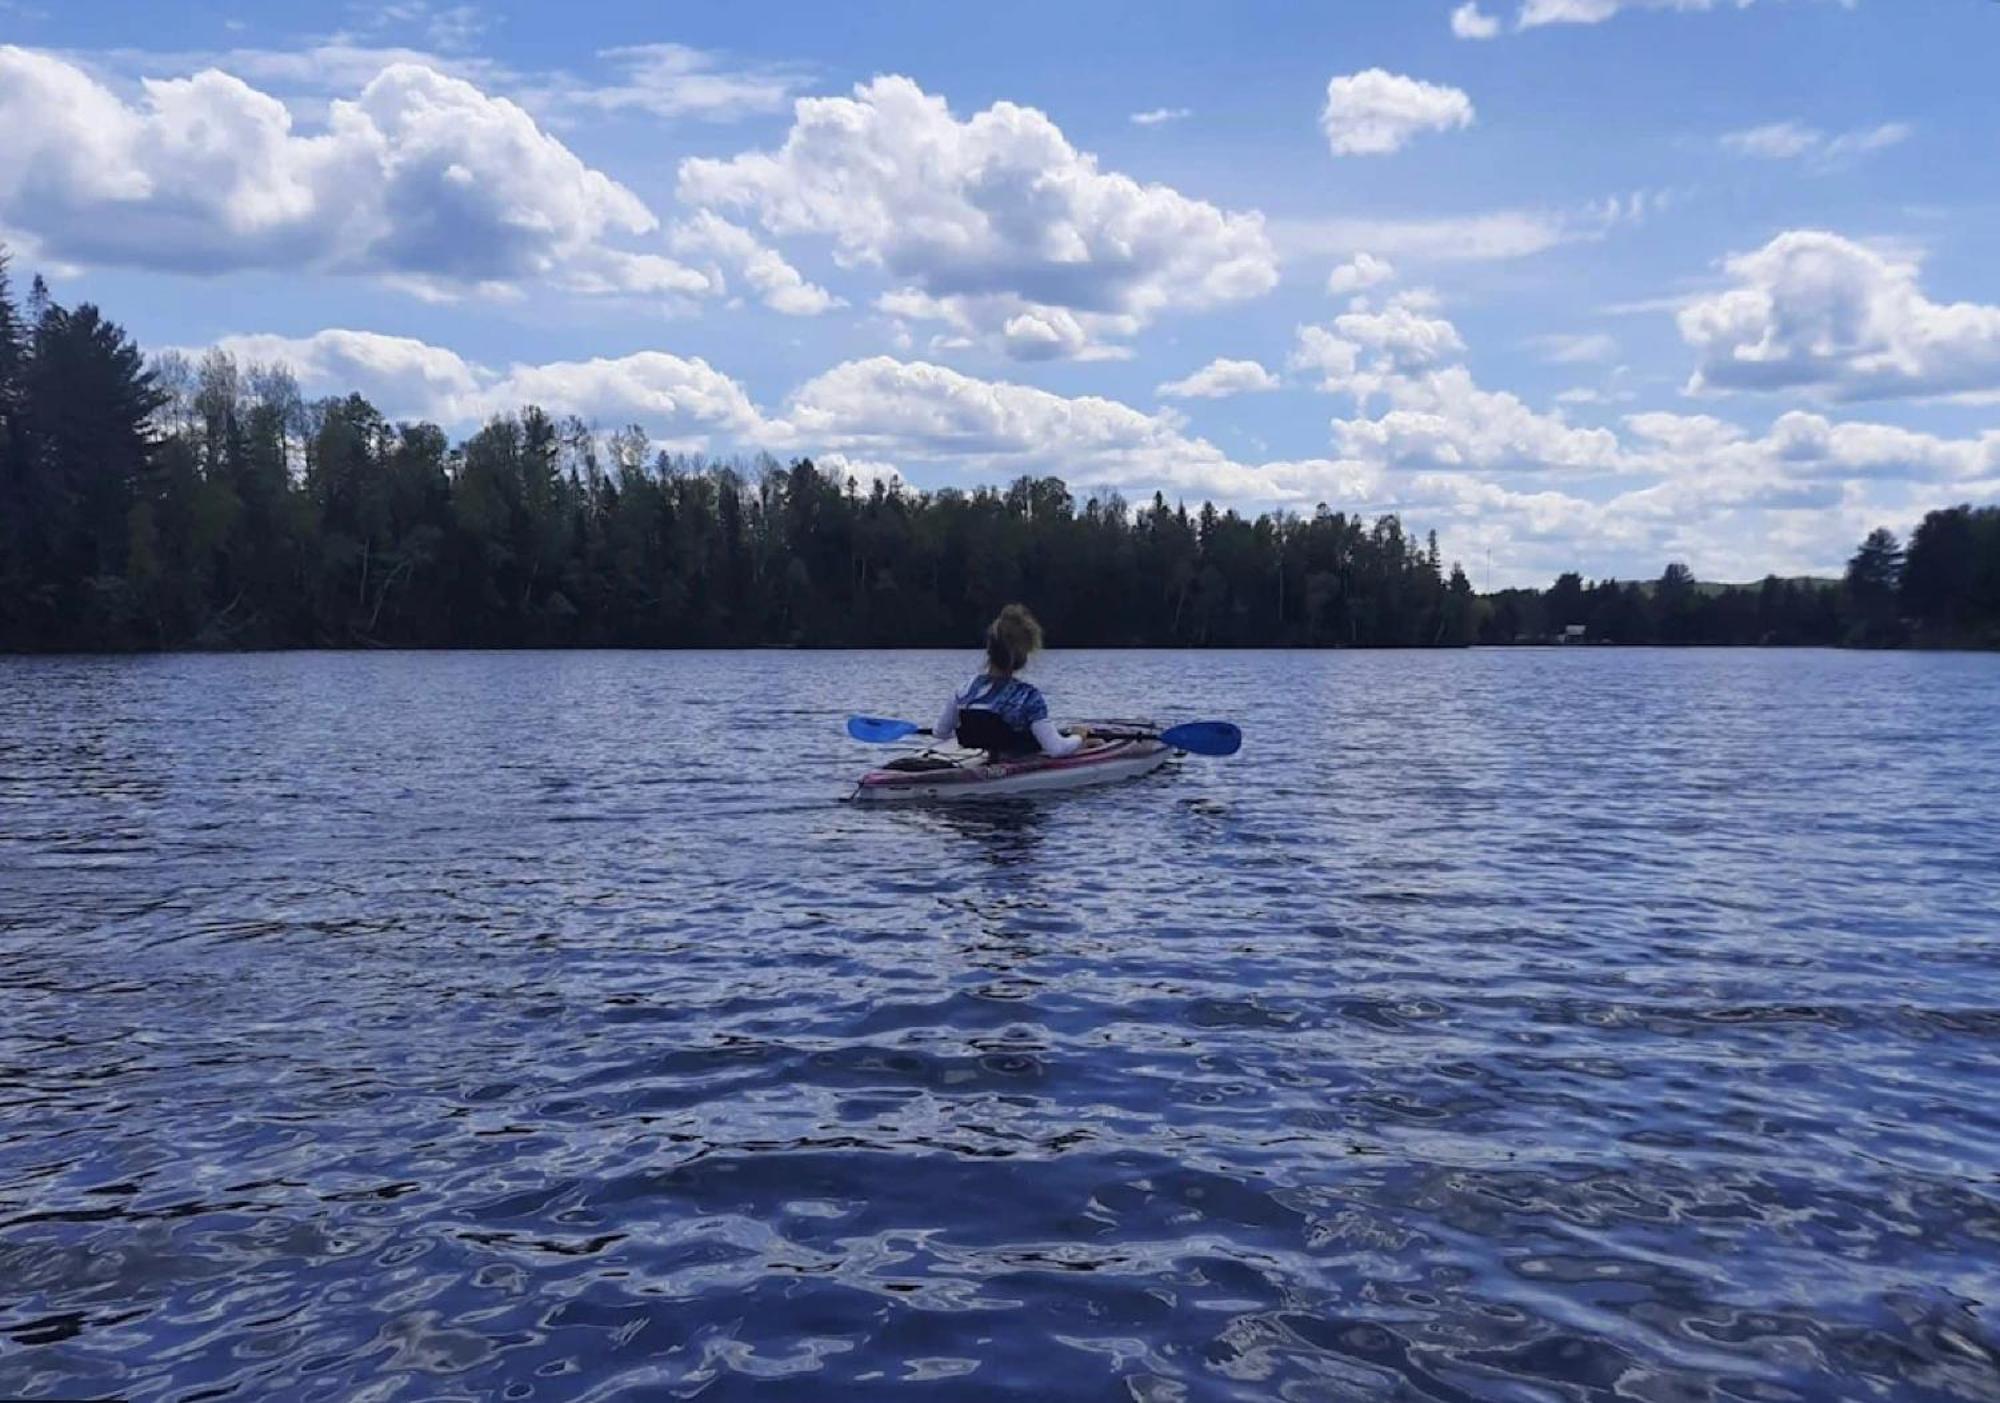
{"x":933,"y":777}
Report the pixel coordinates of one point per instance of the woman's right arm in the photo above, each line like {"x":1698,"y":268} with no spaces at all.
{"x":1054,"y":742}
{"x":946,"y":729}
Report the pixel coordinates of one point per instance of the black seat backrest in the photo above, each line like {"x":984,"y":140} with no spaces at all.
{"x":984,"y":730}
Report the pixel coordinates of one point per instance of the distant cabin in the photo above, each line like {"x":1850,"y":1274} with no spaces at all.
{"x":1575,"y":633}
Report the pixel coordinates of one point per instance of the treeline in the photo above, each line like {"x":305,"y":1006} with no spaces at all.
{"x":210,"y":505}
{"x":1943,"y":591}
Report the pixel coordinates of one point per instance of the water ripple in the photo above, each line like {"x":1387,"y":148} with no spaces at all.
{"x":1524,"y":1026}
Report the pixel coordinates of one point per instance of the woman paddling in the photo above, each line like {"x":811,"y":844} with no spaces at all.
{"x":999,"y":713}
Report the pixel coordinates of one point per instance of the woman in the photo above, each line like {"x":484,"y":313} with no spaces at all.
{"x":998,"y":712}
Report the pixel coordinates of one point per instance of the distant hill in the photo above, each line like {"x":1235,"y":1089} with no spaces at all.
{"x":1710,"y":587}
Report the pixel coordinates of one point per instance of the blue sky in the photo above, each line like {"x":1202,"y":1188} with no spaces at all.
{"x":1582,"y":284}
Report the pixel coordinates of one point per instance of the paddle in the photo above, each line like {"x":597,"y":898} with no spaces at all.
{"x":877,"y":731}
{"x":1217,"y":738}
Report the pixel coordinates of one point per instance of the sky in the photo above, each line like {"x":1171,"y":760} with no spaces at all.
{"x":1577,"y":284}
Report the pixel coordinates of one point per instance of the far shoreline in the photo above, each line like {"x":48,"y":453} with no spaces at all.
{"x":470,"y":650}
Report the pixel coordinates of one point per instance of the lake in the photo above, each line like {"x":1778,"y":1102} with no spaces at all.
{"x":1525,"y":1025}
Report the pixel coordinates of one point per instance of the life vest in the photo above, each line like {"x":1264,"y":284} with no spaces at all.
{"x":979,"y":729}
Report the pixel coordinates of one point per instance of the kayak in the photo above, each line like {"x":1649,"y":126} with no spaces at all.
{"x":931,"y":778}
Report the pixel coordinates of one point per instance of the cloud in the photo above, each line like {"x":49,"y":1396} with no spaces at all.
{"x":1786,"y":141}
{"x":422,"y":178}
{"x":1334,"y":359}
{"x":1468,"y":21}
{"x":1376,"y":112}
{"x":1358,"y":274}
{"x":1575,"y":348}
{"x":1801,"y":448}
{"x":1535,"y":13}
{"x":996,"y":222}
{"x":1472,"y":238}
{"x":1443,"y":420}
{"x":1779,"y":141}
{"x":779,"y":285}
{"x":1451,"y":452}
{"x":671,"y":396}
{"x":1816,"y":312}
{"x":1220,"y":379}
{"x":1433,"y":416}
{"x":1870,"y":139}
{"x":402,"y":377}
{"x":674,"y":81}
{"x":303,"y":78}
{"x":1493,"y":236}
{"x":863,"y":472}
{"x":446,"y":26}
{"x":1160,"y":115}
{"x":1400,"y":337}
{"x":920,"y":412}
{"x":860,"y":416}
{"x":1484,"y":467}
{"x":667,"y":82}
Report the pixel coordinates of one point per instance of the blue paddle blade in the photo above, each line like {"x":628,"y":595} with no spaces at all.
{"x":1217,"y":738}
{"x":878,"y":731}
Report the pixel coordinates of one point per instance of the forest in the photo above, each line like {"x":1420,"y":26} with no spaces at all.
{"x":174,"y":504}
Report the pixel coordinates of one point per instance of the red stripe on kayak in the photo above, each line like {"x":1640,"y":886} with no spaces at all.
{"x":1007,"y":769}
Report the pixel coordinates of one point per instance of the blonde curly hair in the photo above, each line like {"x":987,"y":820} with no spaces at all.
{"x":1012,"y":639}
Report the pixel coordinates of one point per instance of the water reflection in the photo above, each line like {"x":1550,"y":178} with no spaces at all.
{"x":1002,"y":833}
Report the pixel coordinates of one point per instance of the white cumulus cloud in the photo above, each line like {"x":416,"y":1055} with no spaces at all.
{"x":421,"y":178}
{"x":1358,"y":274}
{"x":1376,"y":112}
{"x":1432,"y":415}
{"x":1817,"y":312}
{"x":919,"y":412}
{"x":1219,"y":379}
{"x":671,"y":396}
{"x":995,"y":223}
{"x":1468,"y":21}
{"x":779,"y":285}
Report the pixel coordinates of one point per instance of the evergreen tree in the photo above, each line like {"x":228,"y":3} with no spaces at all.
{"x":1874,"y":577}
{"x":14,"y":579}
{"x":90,"y":401}
{"x":1950,"y":582}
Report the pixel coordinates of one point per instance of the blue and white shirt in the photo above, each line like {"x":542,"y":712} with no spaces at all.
{"x":1019,"y":704}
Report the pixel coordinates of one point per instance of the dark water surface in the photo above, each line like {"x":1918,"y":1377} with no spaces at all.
{"x":1525,"y":1026}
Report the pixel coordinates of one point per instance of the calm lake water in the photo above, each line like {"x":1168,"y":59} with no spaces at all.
{"x":1506,"y":1025}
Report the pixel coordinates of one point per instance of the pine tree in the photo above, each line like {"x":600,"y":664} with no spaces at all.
{"x":90,"y":401}
{"x":13,"y":581}
{"x":1874,"y":576}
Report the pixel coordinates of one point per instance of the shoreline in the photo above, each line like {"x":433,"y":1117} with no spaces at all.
{"x":1196,"y":648}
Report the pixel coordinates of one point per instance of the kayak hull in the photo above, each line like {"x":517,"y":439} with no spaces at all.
{"x":973,"y":777}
